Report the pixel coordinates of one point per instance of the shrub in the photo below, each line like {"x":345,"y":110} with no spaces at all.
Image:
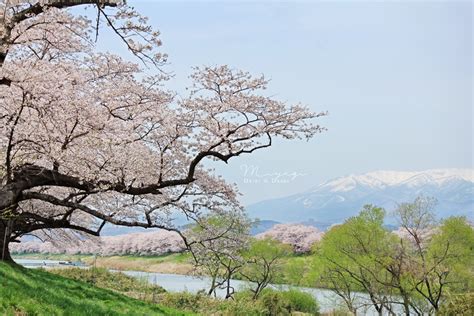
{"x":203,"y":304}
{"x":301,"y":301}
{"x":288,"y":302}
{"x":185,"y":301}
{"x":244,"y":295}
{"x":275,"y":303}
{"x":458,"y":305}
{"x":241,"y":308}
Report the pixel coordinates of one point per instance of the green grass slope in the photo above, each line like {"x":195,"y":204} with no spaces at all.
{"x":36,"y":292}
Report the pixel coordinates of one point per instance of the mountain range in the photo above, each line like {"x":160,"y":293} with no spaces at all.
{"x":337,"y":199}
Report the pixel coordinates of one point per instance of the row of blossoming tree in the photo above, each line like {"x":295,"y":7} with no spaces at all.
{"x":300,"y":237}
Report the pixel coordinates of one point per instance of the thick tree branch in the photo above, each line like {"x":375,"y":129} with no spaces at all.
{"x":38,"y":8}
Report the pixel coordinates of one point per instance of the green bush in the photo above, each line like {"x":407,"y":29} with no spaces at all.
{"x":186,"y":301}
{"x":458,"y":305}
{"x":244,"y":295}
{"x":275,"y":303}
{"x":203,"y":304}
{"x":288,"y":302}
{"x":241,"y":308}
{"x":301,"y":301}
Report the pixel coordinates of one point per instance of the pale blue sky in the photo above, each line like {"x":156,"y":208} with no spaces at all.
{"x":396,"y":78}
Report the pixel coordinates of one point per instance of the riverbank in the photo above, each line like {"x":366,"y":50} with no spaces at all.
{"x":175,"y":263}
{"x":295,"y":269}
{"x":183,"y":289}
{"x":97,"y":291}
{"x":187,"y":293}
{"x":37,"y":292}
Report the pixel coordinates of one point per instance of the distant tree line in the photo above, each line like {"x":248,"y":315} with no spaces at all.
{"x":149,"y":243}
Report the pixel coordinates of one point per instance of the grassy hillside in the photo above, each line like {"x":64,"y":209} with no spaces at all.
{"x":35,"y":292}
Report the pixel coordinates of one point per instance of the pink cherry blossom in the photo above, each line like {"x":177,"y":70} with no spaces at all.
{"x":300,"y":236}
{"x":88,"y":137}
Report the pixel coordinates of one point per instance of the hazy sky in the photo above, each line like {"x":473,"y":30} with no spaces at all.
{"x":396,"y":79}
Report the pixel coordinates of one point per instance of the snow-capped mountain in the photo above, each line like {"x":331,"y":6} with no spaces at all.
{"x":333,"y":201}
{"x":382,"y":179}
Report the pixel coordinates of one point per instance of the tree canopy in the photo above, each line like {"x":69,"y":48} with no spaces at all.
{"x":88,"y":138}
{"x":411,"y":270}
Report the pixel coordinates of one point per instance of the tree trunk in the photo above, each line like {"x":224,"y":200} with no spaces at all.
{"x":406,"y":305}
{"x":353,"y":310}
{"x":212,"y":290}
{"x":5,"y":234}
{"x":229,"y":293}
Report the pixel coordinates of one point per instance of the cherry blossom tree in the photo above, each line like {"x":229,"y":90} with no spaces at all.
{"x":89,"y":138}
{"x":301,"y":237}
